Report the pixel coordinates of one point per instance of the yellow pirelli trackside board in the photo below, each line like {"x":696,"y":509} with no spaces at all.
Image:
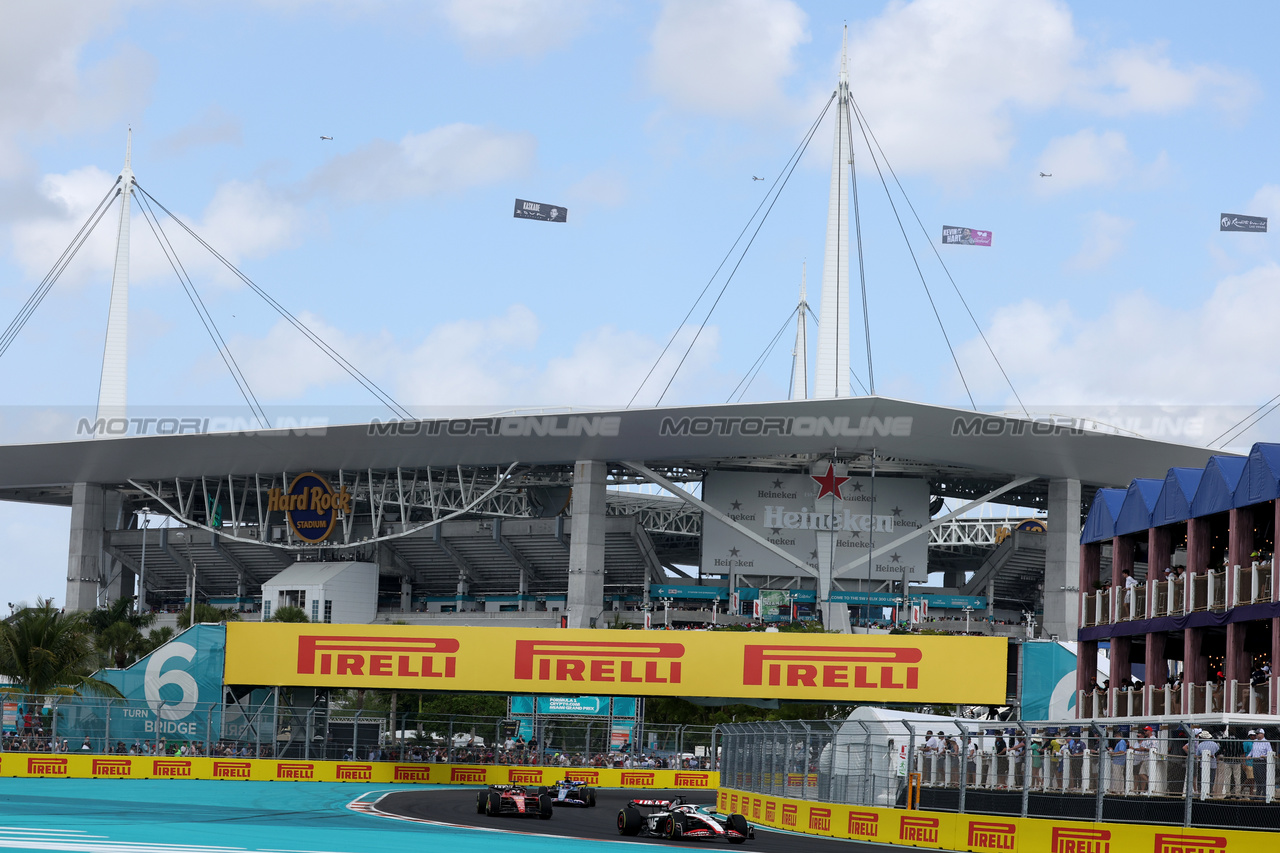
{"x":796,"y":667}
{"x":72,"y":766}
{"x":984,"y":833}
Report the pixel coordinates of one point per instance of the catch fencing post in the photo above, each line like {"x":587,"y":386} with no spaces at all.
{"x":964,"y":765}
{"x":1025,"y":758}
{"x":1102,"y":764}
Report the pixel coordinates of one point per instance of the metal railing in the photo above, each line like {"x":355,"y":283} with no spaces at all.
{"x":1089,"y":772}
{"x":265,"y":725}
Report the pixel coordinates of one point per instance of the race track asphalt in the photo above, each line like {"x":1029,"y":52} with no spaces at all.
{"x":458,"y":807}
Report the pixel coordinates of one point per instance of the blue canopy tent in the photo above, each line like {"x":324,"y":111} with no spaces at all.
{"x":1218,"y":485}
{"x":1261,"y":478}
{"x":1135,"y":512}
{"x":1101,"y":521}
{"x":1174,"y":502}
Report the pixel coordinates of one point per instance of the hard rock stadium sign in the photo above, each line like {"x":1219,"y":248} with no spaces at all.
{"x":827,"y":668}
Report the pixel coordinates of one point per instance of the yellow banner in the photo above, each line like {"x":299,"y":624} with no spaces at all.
{"x":983,"y":833}
{"x":796,"y":667}
{"x":73,"y":766}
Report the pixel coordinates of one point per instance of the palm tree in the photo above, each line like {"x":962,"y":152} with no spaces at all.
{"x":290,"y":614}
{"x":44,"y":651}
{"x":206,"y":613}
{"x":120,"y":643}
{"x":120,"y":610}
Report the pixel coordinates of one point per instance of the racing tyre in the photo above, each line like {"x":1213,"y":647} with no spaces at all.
{"x":590,"y":795}
{"x":480,"y":799}
{"x":493,"y":804}
{"x":672,"y":827}
{"x":545,"y":806}
{"x":629,"y":821}
{"x":543,"y":789}
{"x":738,"y":823}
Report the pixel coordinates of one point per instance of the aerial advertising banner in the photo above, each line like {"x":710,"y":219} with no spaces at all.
{"x":1238,"y":222}
{"x":541,"y":211}
{"x":965,"y":236}
{"x":818,"y":668}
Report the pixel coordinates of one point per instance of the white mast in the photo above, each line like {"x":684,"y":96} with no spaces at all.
{"x":800,"y":355}
{"x":831,"y":374}
{"x":112,"y":389}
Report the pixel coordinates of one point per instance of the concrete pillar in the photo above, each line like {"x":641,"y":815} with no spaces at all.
{"x":1195,"y":664}
{"x":1273,"y":686}
{"x":586,"y":547}
{"x":1240,"y":537}
{"x":1121,"y":660}
{"x":1236,"y":666}
{"x":835,"y":615}
{"x":1086,"y":666}
{"x":1159,"y":553}
{"x":84,"y":553}
{"x":406,"y":595}
{"x":1155,"y":660}
{"x":464,"y":589}
{"x":1197,"y":546}
{"x":1121,"y":559}
{"x":1062,"y":559}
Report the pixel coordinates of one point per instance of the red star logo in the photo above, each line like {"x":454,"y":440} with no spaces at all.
{"x":829,"y":483}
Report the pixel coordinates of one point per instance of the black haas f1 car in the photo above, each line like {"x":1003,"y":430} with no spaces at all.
{"x":513,"y":800}
{"x":570,"y":792}
{"x":675,"y":819}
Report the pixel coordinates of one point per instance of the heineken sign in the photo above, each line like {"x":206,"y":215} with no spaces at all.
{"x":828,"y":512}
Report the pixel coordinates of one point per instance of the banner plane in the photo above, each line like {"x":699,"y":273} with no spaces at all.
{"x":795,"y":667}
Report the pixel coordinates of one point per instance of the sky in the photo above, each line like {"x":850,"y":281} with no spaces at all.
{"x":1108,"y":288}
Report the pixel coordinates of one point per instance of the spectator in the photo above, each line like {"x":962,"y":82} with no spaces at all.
{"x":1256,"y":773}
{"x":1119,"y":753}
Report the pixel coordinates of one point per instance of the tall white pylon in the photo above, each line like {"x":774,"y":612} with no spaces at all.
{"x":831,"y":374}
{"x":113,"y":387}
{"x":800,"y":355}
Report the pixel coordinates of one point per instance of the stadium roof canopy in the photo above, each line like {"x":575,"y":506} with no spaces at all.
{"x":960,"y":450}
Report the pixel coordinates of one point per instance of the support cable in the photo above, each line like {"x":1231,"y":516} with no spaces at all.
{"x":862,"y":271}
{"x":795,"y":161}
{"x":324,"y":346}
{"x":55,"y":272}
{"x":863,"y":120}
{"x":202,"y":311}
{"x":919,"y":271}
{"x":1234,"y":433}
{"x":754,"y":369}
{"x":725,"y":259}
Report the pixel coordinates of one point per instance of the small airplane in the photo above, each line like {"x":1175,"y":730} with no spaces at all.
{"x":754,"y":178}
{"x":330,"y":138}
{"x":1046,"y":174}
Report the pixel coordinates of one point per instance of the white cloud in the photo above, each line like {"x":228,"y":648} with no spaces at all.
{"x":725,"y":57}
{"x":942,"y":83}
{"x":244,"y":219}
{"x":483,"y":361}
{"x":1143,"y":79}
{"x":939,"y":80}
{"x":1137,"y":350}
{"x":602,"y":188}
{"x":47,"y":88}
{"x":520,"y":27}
{"x":1104,"y":238}
{"x":215,"y":126}
{"x":1084,"y":159}
{"x":445,"y":159}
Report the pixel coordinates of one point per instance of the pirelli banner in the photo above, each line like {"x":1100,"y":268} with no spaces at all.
{"x":795,"y":667}
{"x":983,"y":833}
{"x":74,"y":766}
